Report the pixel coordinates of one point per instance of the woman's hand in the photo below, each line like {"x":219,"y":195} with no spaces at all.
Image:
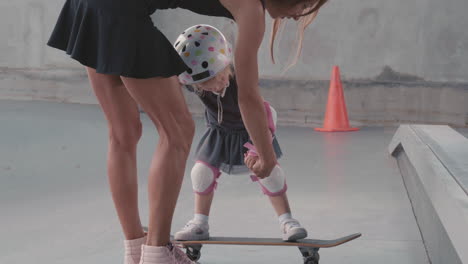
{"x":260,"y":168}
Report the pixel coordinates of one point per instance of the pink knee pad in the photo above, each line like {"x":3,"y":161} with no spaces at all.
{"x":273,"y":185}
{"x":204,"y":178}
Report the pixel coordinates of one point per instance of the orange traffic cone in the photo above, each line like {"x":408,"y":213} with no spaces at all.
{"x":336,"y":116}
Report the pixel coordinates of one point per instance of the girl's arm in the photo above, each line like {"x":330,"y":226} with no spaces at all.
{"x":250,"y":18}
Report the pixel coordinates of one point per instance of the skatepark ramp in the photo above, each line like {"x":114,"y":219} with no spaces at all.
{"x":433,"y":161}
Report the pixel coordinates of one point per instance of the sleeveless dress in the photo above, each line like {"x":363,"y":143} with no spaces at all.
{"x":222,"y":145}
{"x":118,"y":36}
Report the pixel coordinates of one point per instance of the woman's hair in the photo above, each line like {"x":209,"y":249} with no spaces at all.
{"x":306,"y":18}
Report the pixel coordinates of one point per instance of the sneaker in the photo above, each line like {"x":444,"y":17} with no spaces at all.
{"x":133,"y":250}
{"x":169,"y":254}
{"x":193,"y":230}
{"x":292,"y":230}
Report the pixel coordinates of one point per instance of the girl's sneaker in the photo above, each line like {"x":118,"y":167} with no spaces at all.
{"x":292,"y":230}
{"x":193,"y":230}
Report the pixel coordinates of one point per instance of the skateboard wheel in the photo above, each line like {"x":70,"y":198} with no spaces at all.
{"x":313,"y":258}
{"x":193,"y":254}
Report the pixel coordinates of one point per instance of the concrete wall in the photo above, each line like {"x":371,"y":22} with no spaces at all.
{"x":422,"y":38}
{"x":402,"y":61}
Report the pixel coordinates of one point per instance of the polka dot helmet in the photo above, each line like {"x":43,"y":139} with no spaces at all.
{"x":205,"y":50}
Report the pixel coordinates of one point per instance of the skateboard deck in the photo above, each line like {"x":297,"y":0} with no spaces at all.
{"x":255,"y":241}
{"x":308,"y":247}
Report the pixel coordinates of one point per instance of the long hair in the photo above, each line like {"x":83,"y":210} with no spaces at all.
{"x":304,"y":21}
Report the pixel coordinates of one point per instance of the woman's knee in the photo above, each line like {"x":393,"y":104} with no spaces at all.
{"x":181,"y":138}
{"x":125,"y":137}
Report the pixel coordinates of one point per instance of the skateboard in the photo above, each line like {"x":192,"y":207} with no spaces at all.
{"x":308,"y":247}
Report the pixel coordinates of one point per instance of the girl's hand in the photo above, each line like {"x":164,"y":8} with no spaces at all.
{"x":250,"y":161}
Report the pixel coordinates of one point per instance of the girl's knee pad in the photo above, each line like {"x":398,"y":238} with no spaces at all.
{"x":204,"y":178}
{"x":275,"y":184}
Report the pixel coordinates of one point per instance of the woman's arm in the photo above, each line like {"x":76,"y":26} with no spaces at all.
{"x":250,"y":18}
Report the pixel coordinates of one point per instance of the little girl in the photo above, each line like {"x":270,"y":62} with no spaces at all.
{"x":222,"y":148}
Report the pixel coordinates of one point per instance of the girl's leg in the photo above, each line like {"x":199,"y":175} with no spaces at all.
{"x":124,"y":125}
{"x":204,"y":180}
{"x":203,"y":203}
{"x":163,"y":101}
{"x":197,"y":228}
{"x":275,"y":187}
{"x":291,"y":229}
{"x":280,"y":204}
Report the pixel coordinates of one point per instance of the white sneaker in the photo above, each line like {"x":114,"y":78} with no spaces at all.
{"x":193,"y":230}
{"x":169,"y":254}
{"x":292,"y":230}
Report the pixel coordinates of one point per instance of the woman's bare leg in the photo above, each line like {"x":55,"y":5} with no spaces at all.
{"x":124,"y":125}
{"x":163,"y":101}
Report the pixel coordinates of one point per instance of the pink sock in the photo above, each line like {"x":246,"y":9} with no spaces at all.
{"x":133,"y":250}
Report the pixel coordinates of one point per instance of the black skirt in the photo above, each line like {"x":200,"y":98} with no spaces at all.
{"x":223,"y":148}
{"x":116,"y":37}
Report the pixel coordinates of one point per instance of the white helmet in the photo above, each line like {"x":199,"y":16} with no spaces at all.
{"x":205,"y":50}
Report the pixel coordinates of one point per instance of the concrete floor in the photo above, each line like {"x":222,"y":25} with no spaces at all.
{"x":56,"y":207}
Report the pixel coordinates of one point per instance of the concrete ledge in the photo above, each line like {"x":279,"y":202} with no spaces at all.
{"x":429,"y":162}
{"x":58,"y":85}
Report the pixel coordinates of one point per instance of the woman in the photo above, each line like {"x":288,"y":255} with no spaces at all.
{"x":115,"y":40}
